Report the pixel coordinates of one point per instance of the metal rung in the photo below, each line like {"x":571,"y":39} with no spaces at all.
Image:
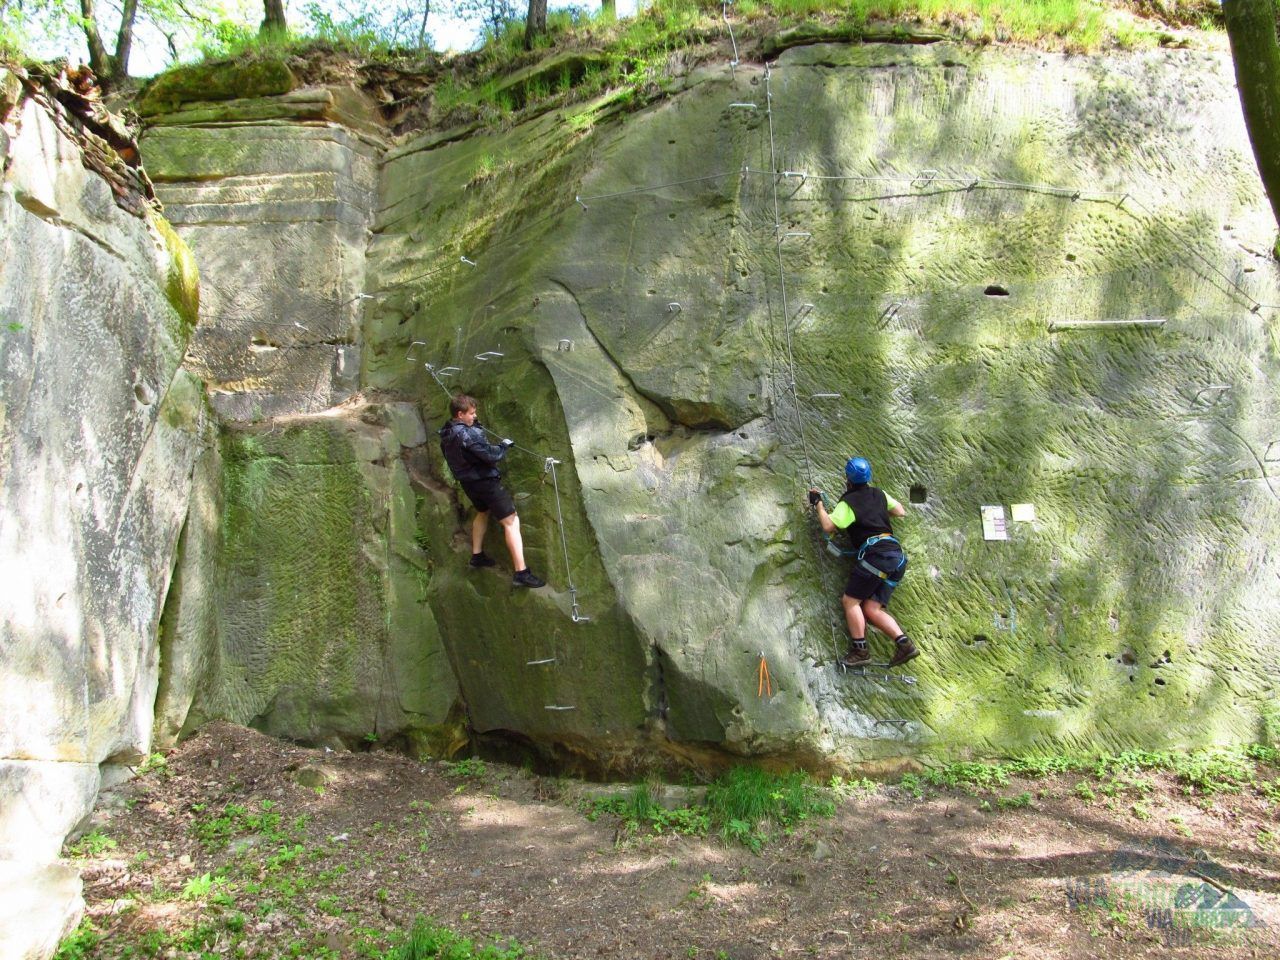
{"x":1216,"y":392}
{"x":538,"y":663}
{"x":448,"y":371}
{"x":416,"y":343}
{"x":674,"y":307}
{"x":471,"y":263}
{"x":825,"y":396}
{"x":564,"y":345}
{"x":1130,"y":322}
{"x":489,"y":355}
{"x":557,"y":707}
{"x":795,"y":173}
{"x":796,"y":233}
{"x":746,"y":106}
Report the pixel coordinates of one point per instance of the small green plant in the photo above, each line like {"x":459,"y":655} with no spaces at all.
{"x":92,"y":844}
{"x":470,"y":768}
{"x":746,"y":799}
{"x":1085,"y":792}
{"x":197,"y":888}
{"x":848,"y":788}
{"x":80,"y":943}
{"x":912,"y":785}
{"x":1019,"y":801}
{"x":154,"y":763}
{"x":427,"y":941}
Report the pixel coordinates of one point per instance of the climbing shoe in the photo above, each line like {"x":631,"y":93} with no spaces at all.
{"x":859,"y":655}
{"x":527,"y":578}
{"x":482,"y":559}
{"x":903,"y":650}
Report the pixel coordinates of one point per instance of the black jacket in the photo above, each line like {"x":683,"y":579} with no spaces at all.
{"x":469,"y":454}
{"x":870,"y":514}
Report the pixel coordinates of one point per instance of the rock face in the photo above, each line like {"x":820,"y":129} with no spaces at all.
{"x":99,"y":429}
{"x":1091,"y":349}
{"x":300,"y":601}
{"x":277,"y":210}
{"x":1005,"y":277}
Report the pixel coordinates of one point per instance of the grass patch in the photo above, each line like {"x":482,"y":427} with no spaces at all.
{"x":92,"y":844}
{"x":427,"y":941}
{"x":743,"y":806}
{"x":1202,"y":774}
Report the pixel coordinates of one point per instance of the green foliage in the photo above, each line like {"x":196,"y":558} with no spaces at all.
{"x":427,"y":941}
{"x":742,"y":806}
{"x":848,"y":788}
{"x":92,"y":844}
{"x":198,"y":888}
{"x":154,"y":763}
{"x":746,"y":800}
{"x":640,"y":811}
{"x":1017,"y":802}
{"x":80,"y":943}
{"x":215,"y":832}
{"x":1202,"y":773}
{"x":469,"y":768}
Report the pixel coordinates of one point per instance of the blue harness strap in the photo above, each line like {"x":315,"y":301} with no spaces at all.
{"x":860,"y":556}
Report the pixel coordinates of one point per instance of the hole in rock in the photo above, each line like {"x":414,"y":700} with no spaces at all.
{"x":979,"y":638}
{"x":1159,"y":681}
{"x":995,"y":290}
{"x":918,"y":493}
{"x":671,"y":216}
{"x":1128,"y":659}
{"x":143,"y":393}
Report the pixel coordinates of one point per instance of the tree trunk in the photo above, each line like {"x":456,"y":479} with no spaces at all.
{"x":1251,"y":27}
{"x":274,"y":23}
{"x":535,"y":24}
{"x":124,"y":41}
{"x":609,"y":10}
{"x":99,"y":59}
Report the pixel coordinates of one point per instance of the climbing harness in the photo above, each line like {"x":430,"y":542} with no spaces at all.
{"x":764,"y":686}
{"x":865,"y":564}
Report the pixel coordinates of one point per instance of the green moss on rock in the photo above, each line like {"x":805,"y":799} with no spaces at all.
{"x":216,"y":81}
{"x":182,"y":282}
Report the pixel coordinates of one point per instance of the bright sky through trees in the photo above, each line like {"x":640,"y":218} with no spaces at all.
{"x":52,"y":33}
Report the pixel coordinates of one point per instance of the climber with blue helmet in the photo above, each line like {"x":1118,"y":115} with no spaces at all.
{"x":863,"y":514}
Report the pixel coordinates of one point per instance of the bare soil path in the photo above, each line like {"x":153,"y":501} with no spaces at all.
{"x":224,"y":852}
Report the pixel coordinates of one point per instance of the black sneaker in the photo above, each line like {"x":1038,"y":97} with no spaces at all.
{"x":527,"y":578}
{"x":902,"y":652}
{"x":482,"y":559}
{"x":859,"y":655}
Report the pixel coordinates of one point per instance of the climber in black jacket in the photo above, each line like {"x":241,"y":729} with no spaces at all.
{"x":473,"y":461}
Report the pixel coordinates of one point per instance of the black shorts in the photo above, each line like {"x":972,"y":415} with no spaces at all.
{"x":865,"y":585}
{"x":489,"y":496}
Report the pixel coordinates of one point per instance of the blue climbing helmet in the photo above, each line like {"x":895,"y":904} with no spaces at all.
{"x":857,"y":470}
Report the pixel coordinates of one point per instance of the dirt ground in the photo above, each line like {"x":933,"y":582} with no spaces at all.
{"x":222,"y":851}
